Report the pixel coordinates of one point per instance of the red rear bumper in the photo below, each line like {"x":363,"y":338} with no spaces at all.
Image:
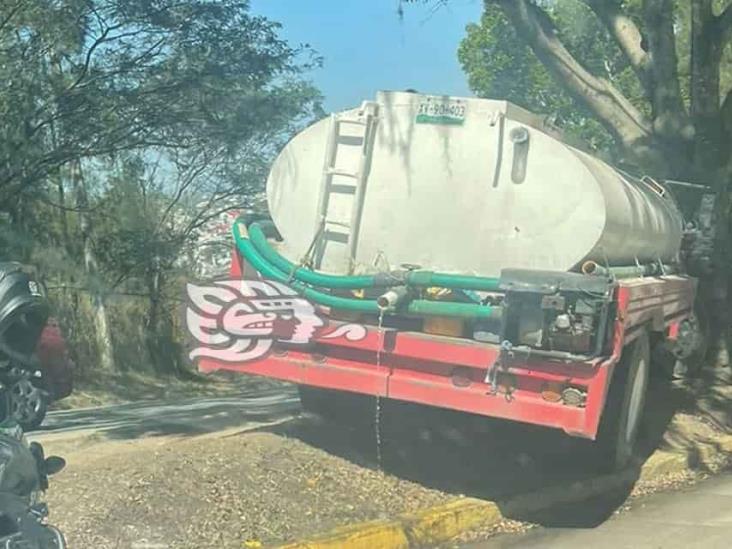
{"x":441,"y":371}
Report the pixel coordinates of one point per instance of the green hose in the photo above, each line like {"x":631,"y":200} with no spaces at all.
{"x":416,"y":307}
{"x":424,"y":307}
{"x":424,"y":279}
{"x":258,"y":239}
{"x":428,"y":279}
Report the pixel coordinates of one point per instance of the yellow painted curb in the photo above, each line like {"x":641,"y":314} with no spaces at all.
{"x":369,"y":535}
{"x":428,"y":527}
{"x":447,"y":521}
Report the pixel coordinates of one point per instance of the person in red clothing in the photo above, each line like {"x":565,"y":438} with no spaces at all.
{"x":56,"y":363}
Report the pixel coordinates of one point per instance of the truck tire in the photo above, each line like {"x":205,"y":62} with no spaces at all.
{"x":621,"y":419}
{"x":684,"y":357}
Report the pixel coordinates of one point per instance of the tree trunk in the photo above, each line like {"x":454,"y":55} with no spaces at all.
{"x":103,"y":333}
{"x":65,"y":240}
{"x":706,"y":52}
{"x":715,"y":288}
{"x":674,"y":143}
{"x":164,"y":351}
{"x":711,"y":154}
{"x":153,"y":315}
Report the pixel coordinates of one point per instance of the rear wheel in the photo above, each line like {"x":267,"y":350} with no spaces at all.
{"x":28,"y":404}
{"x":621,"y":419}
{"x":684,"y":356}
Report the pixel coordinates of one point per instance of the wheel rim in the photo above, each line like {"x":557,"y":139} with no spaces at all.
{"x":635,"y":405}
{"x":689,"y":339}
{"x":26,"y":401}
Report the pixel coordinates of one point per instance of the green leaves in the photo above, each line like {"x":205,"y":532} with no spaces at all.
{"x":168,"y":111}
{"x":500,"y":65}
{"x":94,"y":78}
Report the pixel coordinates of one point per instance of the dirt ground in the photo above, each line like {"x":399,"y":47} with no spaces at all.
{"x":307,"y":475}
{"x":218,"y":492}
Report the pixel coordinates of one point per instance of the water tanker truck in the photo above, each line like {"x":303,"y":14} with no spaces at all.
{"x":491,"y":267}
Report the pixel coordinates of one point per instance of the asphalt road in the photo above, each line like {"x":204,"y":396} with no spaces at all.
{"x":699,"y":516}
{"x":249,"y":409}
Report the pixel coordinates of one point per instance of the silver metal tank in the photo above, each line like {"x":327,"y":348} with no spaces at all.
{"x":460,"y":185}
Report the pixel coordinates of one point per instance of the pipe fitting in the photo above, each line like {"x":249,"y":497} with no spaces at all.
{"x":393,"y":298}
{"x":592,"y":268}
{"x":632,"y":271}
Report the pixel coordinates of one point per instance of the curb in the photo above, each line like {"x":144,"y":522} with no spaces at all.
{"x":444,"y":522}
{"x":423,"y":528}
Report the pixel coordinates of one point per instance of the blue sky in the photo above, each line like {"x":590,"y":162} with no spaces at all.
{"x":366,"y":47}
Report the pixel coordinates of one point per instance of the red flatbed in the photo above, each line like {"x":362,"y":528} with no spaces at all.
{"x":451,"y":372}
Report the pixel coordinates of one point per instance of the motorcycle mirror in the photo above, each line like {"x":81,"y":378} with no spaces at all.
{"x":54,"y":464}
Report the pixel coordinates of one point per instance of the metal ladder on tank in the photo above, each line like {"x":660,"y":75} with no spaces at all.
{"x":327,"y":229}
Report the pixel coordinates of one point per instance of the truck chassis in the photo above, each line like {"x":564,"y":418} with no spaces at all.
{"x":556,"y":390}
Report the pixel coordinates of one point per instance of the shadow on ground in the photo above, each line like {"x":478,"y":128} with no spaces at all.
{"x":259,"y":403}
{"x":704,"y":409}
{"x":476,"y":456}
{"x":100,"y":388}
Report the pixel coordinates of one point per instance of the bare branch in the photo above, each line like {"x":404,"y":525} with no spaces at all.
{"x":61,"y":207}
{"x":15,"y":9}
{"x":135,"y":62}
{"x":614,"y":110}
{"x":188,"y":180}
{"x":89,"y":53}
{"x":627,"y":35}
{"x":201,"y":220}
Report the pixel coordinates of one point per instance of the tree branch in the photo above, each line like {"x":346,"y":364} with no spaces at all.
{"x":88,"y":57}
{"x":706,"y":52}
{"x":669,"y":112}
{"x":614,"y":110}
{"x":188,"y":180}
{"x":723,"y":22}
{"x":628,"y":37}
{"x":11,"y":13}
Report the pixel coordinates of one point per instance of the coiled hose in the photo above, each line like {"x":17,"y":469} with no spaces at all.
{"x":423,"y":279}
{"x":416,"y":307}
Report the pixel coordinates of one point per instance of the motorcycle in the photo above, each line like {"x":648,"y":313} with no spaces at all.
{"x":24,"y":472}
{"x":23,"y":314}
{"x":24,"y":469}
